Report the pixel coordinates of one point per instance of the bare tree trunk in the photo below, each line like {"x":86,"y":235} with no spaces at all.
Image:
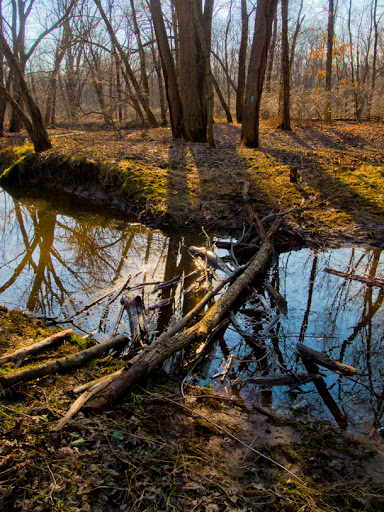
{"x":207,"y":81}
{"x":35,"y":127}
{"x":194,"y":124}
{"x":143,"y":65}
{"x":271,"y":55}
{"x":265,"y":13}
{"x":242,"y":62}
{"x":328,"y":64}
{"x":170,"y":79}
{"x":129,"y":72}
{"x":285,"y":122}
{"x":222,"y":100}
{"x":374,"y":59}
{"x":50,"y":109}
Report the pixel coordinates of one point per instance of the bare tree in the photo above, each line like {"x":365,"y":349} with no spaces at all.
{"x":242,"y":62}
{"x":328,"y":64}
{"x":285,"y":118}
{"x":265,"y":14}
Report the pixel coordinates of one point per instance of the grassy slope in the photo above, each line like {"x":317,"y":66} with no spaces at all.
{"x":174,"y":183}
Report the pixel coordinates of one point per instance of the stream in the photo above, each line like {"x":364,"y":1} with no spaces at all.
{"x":58,"y":254}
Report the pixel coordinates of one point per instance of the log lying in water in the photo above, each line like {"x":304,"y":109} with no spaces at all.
{"x":168,"y":343}
{"x":64,"y":363}
{"x":36,"y":348}
{"x":277,"y":297}
{"x":324,"y":360}
{"x":370,"y":281}
{"x":283,"y":380}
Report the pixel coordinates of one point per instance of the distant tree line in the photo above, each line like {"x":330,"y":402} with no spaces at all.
{"x":185,"y":63}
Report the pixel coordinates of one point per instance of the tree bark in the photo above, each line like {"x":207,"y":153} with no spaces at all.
{"x":63,"y":364}
{"x":194,"y":118}
{"x":171,"y":86}
{"x":285,"y":120}
{"x":222,"y":100}
{"x":242,"y":62}
{"x":265,"y":13}
{"x":38,"y":347}
{"x":36,"y":128}
{"x":328,"y":64}
{"x":324,"y":360}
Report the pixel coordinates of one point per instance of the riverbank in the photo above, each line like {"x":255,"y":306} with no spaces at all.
{"x":158,"y":450}
{"x":336,"y":172}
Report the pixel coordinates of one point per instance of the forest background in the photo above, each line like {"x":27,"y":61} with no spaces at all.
{"x":100,"y":62}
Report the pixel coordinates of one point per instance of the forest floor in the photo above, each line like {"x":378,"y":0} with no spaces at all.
{"x":333,"y":175}
{"x":159,"y":450}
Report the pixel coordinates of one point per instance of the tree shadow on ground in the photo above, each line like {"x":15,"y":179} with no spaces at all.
{"x":210,"y":180}
{"x":338,"y":176}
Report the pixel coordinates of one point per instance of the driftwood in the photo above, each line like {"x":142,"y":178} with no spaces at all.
{"x":134,"y":308}
{"x":169,"y":342}
{"x":36,"y":348}
{"x":281,"y":303}
{"x":370,"y":281}
{"x":162,"y":304}
{"x":324,"y":360}
{"x":210,"y":257}
{"x":62,"y":364}
{"x":166,"y":284}
{"x":324,"y":393}
{"x":283,"y":380}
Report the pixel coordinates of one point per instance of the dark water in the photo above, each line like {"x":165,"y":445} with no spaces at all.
{"x":56,"y":256}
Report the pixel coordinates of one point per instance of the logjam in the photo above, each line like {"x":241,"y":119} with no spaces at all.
{"x":324,"y":360}
{"x":168,"y":343}
{"x":283,"y":380}
{"x":36,"y":348}
{"x":370,"y":281}
{"x":64,"y":363}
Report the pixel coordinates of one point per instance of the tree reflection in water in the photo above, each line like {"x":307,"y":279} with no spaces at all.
{"x":53,"y":264}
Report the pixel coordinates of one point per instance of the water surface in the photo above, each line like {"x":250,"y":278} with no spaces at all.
{"x":58,"y":255}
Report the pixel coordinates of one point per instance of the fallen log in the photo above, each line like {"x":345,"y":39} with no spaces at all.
{"x":324,"y":360}
{"x":172,"y":331}
{"x":283,"y":380}
{"x":169,"y":343}
{"x":36,"y":348}
{"x":370,"y":281}
{"x":62,"y":364}
{"x":211,"y":258}
{"x":166,"y":284}
{"x":281,"y":303}
{"x":322,"y":389}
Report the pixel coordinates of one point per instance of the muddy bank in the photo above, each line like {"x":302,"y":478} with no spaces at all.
{"x":336,"y":171}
